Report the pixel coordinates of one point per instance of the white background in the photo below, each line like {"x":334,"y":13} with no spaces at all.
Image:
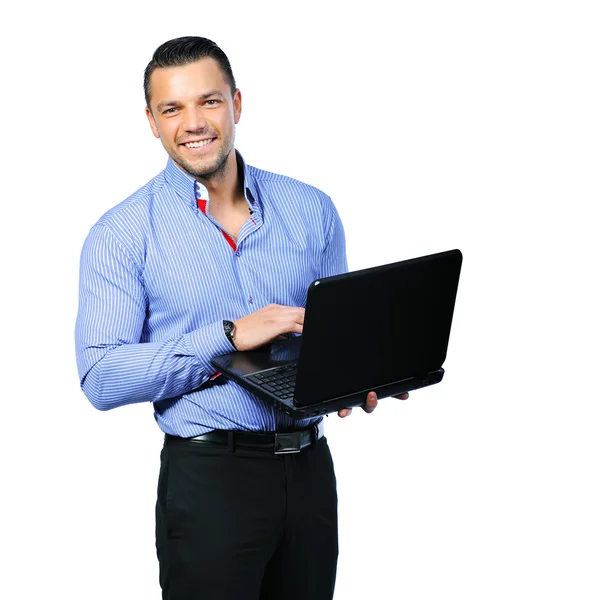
{"x":433,"y":125}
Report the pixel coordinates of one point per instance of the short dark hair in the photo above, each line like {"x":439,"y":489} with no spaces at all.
{"x":183,"y":51}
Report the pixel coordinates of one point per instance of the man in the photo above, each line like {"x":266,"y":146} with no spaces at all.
{"x":210,"y":256}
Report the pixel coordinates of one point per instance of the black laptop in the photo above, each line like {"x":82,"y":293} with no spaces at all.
{"x":384,"y":329}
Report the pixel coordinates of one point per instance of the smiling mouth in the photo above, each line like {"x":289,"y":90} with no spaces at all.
{"x":198,"y":144}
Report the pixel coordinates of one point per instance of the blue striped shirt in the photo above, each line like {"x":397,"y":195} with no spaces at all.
{"x":157,"y":278}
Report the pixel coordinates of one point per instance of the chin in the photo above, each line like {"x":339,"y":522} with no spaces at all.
{"x":202,"y":170}
{"x":206,"y":168}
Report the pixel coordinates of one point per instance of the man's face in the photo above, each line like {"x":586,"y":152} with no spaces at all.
{"x":194,"y":115}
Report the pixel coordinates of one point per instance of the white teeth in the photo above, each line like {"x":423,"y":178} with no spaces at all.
{"x":198,"y":144}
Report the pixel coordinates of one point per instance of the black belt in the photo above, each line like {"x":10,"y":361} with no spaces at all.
{"x":277,"y":442}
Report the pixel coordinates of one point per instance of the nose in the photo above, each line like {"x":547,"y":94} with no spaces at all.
{"x":194,"y":119}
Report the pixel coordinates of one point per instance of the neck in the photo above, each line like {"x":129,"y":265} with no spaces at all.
{"x":226,"y":187}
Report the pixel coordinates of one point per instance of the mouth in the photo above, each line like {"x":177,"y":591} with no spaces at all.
{"x":198,"y":143}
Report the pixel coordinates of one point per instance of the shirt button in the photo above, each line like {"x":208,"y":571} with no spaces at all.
{"x":251,"y":300}
{"x":237,"y":253}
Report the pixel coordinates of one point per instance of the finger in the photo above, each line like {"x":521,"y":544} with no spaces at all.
{"x":344,"y":412}
{"x":298,"y":320}
{"x":292,"y":318}
{"x":402,"y":396}
{"x":370,"y":403}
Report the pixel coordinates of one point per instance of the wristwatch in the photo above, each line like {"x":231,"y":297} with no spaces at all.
{"x":228,"y":328}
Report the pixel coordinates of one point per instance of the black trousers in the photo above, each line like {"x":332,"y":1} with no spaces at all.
{"x":247,"y":524}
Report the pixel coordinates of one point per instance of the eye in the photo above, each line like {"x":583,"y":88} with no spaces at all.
{"x":169,"y":111}
{"x":212,"y":102}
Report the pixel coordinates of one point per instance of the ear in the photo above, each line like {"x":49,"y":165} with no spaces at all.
{"x":237,"y":106}
{"x":152,"y":123}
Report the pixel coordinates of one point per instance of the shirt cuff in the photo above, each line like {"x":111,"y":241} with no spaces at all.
{"x":208,"y":342}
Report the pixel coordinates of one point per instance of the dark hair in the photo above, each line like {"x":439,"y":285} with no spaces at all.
{"x":183,"y":51}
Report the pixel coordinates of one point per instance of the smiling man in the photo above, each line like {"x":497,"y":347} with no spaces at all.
{"x":210,"y":256}
{"x":196,"y":113}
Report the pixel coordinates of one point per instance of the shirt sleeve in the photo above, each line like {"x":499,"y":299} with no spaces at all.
{"x":114,"y":367}
{"x":333,"y":260}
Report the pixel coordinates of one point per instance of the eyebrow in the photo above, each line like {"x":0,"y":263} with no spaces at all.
{"x":171,"y":103}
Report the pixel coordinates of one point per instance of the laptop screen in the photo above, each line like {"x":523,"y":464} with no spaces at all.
{"x":377,"y":326}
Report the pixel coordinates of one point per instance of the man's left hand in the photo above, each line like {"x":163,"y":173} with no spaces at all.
{"x":370,"y":404}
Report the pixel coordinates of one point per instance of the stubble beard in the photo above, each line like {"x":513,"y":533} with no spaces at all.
{"x":212,"y":172}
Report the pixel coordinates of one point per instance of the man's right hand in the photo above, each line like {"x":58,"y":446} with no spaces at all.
{"x":264,"y":325}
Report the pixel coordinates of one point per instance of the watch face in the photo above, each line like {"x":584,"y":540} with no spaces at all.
{"x":228,"y":327}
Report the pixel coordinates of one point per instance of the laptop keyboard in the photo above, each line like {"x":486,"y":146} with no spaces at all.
{"x":280,"y":381}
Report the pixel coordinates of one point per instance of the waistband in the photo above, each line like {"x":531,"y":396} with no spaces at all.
{"x":284,"y":442}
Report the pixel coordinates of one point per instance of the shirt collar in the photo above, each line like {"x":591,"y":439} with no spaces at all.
{"x":187,"y":187}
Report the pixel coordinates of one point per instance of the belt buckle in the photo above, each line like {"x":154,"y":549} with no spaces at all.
{"x":287,"y":443}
